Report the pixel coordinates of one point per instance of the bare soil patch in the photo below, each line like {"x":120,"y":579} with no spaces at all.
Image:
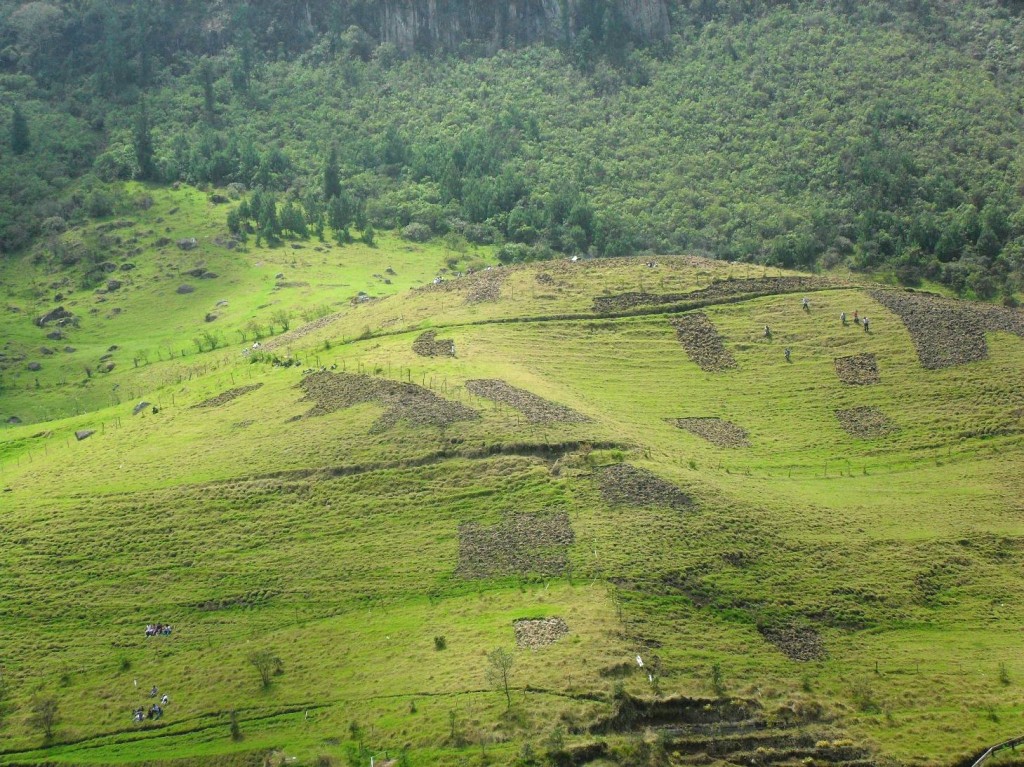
{"x":716,"y":431}
{"x":225,"y":397}
{"x":402,"y":401}
{"x":801,"y":643}
{"x":428,"y":345}
{"x":947,"y":332}
{"x":865,"y":422}
{"x":522,"y":544}
{"x":535,"y":409}
{"x":715,"y":293}
{"x":623,"y":483}
{"x":858,"y":370}
{"x":536,"y":633}
{"x":702,"y":343}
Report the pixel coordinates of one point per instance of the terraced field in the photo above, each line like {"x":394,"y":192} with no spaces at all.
{"x":813,"y":561}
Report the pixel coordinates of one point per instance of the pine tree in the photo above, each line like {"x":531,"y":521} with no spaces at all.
{"x":332,"y":179}
{"x":144,"y":145}
{"x":20,"y":140}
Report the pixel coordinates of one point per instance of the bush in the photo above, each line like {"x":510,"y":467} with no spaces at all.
{"x":440,"y":643}
{"x":416,"y":232}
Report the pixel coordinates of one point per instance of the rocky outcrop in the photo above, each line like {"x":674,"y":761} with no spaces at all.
{"x":445,"y":24}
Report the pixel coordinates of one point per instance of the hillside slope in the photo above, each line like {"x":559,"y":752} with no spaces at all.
{"x":813,"y":558}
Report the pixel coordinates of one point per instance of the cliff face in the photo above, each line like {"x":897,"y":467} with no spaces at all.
{"x":444,"y":24}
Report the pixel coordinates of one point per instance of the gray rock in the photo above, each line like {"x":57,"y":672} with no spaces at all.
{"x":59,"y":315}
{"x":34,"y":367}
{"x":14,"y":420}
{"x":106,"y":367}
{"x":188,"y":243}
{"x":70,"y":349}
{"x":46,"y":350}
{"x":185,"y":290}
{"x":56,"y":335}
{"x":113,"y":285}
{"x":197,"y":272}
{"x":209,"y":276}
{"x":211,"y":317}
{"x":140,"y":407}
{"x":127,"y":267}
{"x":84,"y":434}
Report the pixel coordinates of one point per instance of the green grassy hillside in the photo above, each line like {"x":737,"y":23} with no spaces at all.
{"x":815,"y":559}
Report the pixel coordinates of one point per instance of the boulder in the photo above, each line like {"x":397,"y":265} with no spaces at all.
{"x":140,"y":407}
{"x":188,"y":243}
{"x":113,"y":285}
{"x":13,"y":420}
{"x":211,"y":317}
{"x":84,"y":434}
{"x":46,"y":351}
{"x":56,"y":335}
{"x":108,"y":266}
{"x":185,"y":290}
{"x":163,"y":242}
{"x":127,"y":267}
{"x":198,"y":272}
{"x":70,"y":349}
{"x":35,"y":367}
{"x":113,"y":348}
{"x":58,"y":298}
{"x":219,"y":199}
{"x":106,"y":367}
{"x":60,"y":315}
{"x":209,"y":276}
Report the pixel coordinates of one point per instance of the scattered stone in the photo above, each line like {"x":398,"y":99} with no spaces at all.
{"x":84,"y":434}
{"x":162,"y":242}
{"x":427,"y":345}
{"x":140,"y":407}
{"x":624,"y":484}
{"x":211,"y":317}
{"x":13,"y":420}
{"x":219,"y":199}
{"x":46,"y":351}
{"x":536,"y":633}
{"x":799,"y":643}
{"x":865,"y":422}
{"x":716,"y":431}
{"x":56,"y":335}
{"x":521,"y":544}
{"x":702,"y":343}
{"x":70,"y":350}
{"x":127,"y":267}
{"x":858,"y":370}
{"x":479,"y":287}
{"x":402,"y":401}
{"x":113,"y":285}
{"x":185,"y":290}
{"x":225,"y":397}
{"x":106,"y":367}
{"x":113,"y":348}
{"x":35,"y":367}
{"x":108,"y":266}
{"x":188,"y":243}
{"x":60,"y":315}
{"x":545,"y":279}
{"x":198,"y":272}
{"x":209,"y":276}
{"x":221,"y":304}
{"x":946,"y":332}
{"x":535,"y":409}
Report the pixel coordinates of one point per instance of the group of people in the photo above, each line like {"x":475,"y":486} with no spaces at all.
{"x":857,"y":320}
{"x":806,"y":305}
{"x":158,"y":629}
{"x":155,"y":711}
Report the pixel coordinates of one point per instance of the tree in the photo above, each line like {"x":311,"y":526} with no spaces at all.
{"x":44,"y":716}
{"x":499,"y":668}
{"x":283,"y":318}
{"x":332,"y":177}
{"x":144,"y":144}
{"x":267,"y":664}
{"x":369,"y":235}
{"x":20,"y":139}
{"x":205,"y":71}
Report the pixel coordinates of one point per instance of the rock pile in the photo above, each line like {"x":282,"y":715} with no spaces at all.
{"x":535,"y":409}
{"x":715,"y":430}
{"x":857,"y":370}
{"x":428,"y":345}
{"x":225,"y":397}
{"x":865,"y":422}
{"x":715,"y":293}
{"x":702,"y":343}
{"x":801,"y":643}
{"x":522,"y":544}
{"x":402,"y":401}
{"x":624,"y":484}
{"x":947,"y":332}
{"x":541,"y":632}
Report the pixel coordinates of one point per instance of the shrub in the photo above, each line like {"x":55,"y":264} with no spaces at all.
{"x":416,"y":232}
{"x":440,"y":643}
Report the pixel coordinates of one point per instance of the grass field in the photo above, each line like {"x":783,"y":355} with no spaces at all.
{"x":861,"y":589}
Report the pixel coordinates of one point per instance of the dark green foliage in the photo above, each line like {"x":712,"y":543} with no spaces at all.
{"x":20,"y":140}
{"x":793,"y":134}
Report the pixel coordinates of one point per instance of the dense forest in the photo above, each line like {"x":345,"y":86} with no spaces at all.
{"x":881,"y":136}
